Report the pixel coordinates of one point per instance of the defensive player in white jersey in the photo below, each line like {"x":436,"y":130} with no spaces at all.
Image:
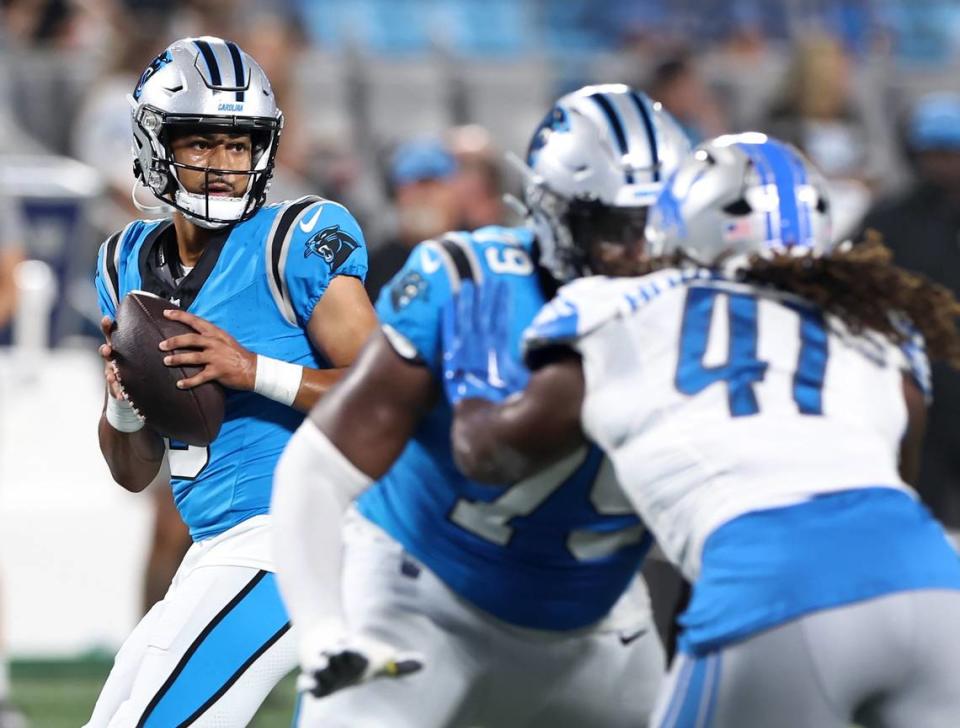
{"x":523,"y":602}
{"x":762,"y":398}
{"x":276,"y":297}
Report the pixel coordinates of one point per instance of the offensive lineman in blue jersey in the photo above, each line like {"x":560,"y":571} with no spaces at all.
{"x":520,"y":601}
{"x":275,"y":294}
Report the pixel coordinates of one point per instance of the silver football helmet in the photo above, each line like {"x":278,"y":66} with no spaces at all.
{"x":741,"y":194}
{"x":209,"y":83}
{"x":598,"y":159}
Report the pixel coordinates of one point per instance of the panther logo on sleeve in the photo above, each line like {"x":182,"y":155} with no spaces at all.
{"x":332,"y":244}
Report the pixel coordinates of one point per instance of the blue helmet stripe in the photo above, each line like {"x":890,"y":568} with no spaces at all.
{"x":788,"y":173}
{"x":761,"y":165}
{"x":207,"y":52}
{"x":646,"y":114}
{"x":604,"y":103}
{"x":805,"y":230}
{"x":786,"y":179}
{"x":237,"y":69}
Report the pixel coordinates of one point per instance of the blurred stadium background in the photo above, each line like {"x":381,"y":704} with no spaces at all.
{"x":400,"y":109}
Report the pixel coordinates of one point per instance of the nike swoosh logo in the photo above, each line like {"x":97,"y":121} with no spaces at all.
{"x":430,"y":263}
{"x":308,"y":225}
{"x":627,"y":638}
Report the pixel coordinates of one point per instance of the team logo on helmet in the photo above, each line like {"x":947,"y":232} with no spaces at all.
{"x":555,"y":120}
{"x":332,"y":244}
{"x":155,"y":65}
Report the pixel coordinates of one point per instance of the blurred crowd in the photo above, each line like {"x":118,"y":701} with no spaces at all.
{"x":403,"y":109}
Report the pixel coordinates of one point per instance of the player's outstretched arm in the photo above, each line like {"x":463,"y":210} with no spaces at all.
{"x":134,"y":453}
{"x":351,"y":438}
{"x":507,"y":442}
{"x":340,"y":325}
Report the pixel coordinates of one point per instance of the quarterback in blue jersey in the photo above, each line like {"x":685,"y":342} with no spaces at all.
{"x":519,"y":601}
{"x":761,"y":393}
{"x":275,"y":296}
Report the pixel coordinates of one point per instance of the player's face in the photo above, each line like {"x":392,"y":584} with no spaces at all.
{"x":612,"y":236}
{"x":217,"y":152}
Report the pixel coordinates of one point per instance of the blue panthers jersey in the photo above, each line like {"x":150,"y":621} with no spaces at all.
{"x":552,"y":552}
{"x":259,"y":281}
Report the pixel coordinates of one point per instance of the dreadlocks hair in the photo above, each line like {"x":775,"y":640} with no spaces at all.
{"x":860,"y":285}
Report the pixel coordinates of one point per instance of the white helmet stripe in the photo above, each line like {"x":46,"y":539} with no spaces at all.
{"x":605,"y":104}
{"x":640,"y":153}
{"x":642,"y":105}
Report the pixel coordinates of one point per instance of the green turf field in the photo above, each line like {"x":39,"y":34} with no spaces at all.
{"x":62,"y":694}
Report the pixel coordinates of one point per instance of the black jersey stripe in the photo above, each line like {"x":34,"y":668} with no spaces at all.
{"x":460,"y":260}
{"x":110,"y":263}
{"x":287,"y":219}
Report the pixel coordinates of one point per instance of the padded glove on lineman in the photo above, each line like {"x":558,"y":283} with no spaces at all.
{"x":350,"y":661}
{"x":476,"y":345}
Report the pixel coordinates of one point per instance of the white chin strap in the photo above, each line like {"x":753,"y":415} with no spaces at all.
{"x":223,"y":210}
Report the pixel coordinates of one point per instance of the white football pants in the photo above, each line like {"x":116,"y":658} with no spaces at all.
{"x":211,"y":651}
{"x":480,"y":671}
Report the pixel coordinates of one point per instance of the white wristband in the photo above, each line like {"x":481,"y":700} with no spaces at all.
{"x":122,"y":416}
{"x":277,"y":380}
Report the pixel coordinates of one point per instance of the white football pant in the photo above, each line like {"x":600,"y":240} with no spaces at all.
{"x":211,"y":651}
{"x":480,"y":671}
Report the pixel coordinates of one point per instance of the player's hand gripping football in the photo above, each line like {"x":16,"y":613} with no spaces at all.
{"x":476,"y":345}
{"x":222,"y":358}
{"x":349,"y":661}
{"x":110,"y":373}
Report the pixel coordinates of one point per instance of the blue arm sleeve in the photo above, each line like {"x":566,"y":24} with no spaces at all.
{"x":410,"y":307}
{"x":332,"y":245}
{"x":104,"y":298}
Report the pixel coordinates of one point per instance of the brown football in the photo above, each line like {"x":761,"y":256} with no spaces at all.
{"x":193,"y":416}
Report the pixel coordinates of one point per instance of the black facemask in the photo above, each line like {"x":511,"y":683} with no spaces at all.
{"x":592,"y":222}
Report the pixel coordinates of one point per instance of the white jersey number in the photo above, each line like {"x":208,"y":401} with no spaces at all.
{"x":490,"y":520}
{"x":186,"y":461}
{"x":509,"y":261}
